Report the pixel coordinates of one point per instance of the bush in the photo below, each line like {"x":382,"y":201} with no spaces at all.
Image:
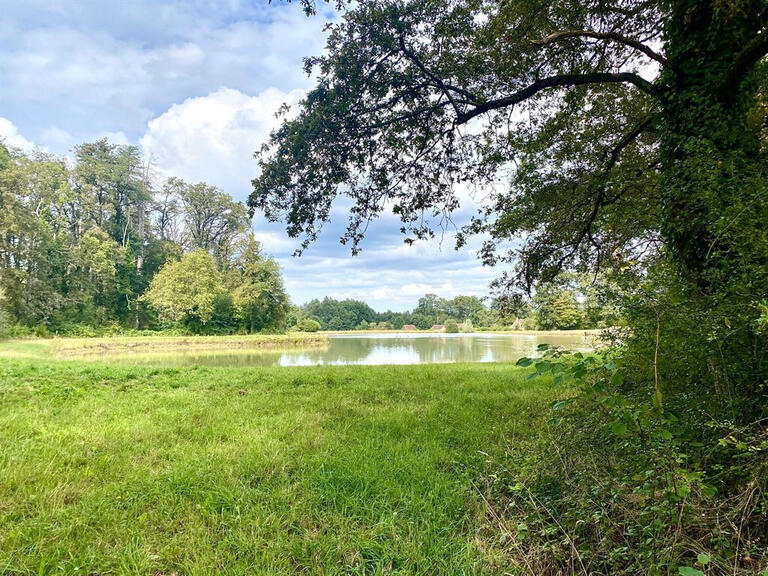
{"x":78,"y":331}
{"x":451,"y":327}
{"x":308,"y":325}
{"x":5,"y":324}
{"x":467,"y":326}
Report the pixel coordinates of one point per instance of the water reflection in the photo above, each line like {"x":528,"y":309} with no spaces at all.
{"x":378,"y":349}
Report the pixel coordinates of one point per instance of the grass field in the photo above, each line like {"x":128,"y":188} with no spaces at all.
{"x":327,"y":470}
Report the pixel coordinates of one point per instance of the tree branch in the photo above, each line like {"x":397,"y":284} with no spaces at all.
{"x":631,"y":42}
{"x":445,"y":87}
{"x":751,"y":54}
{"x":561,"y":80}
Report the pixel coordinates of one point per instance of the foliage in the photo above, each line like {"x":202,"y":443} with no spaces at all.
{"x":451,"y":327}
{"x":257,"y":289}
{"x":187,"y":289}
{"x":662,"y":462}
{"x":558,"y":310}
{"x":5,"y":319}
{"x":339,"y":314}
{"x":308,"y":325}
{"x":80,"y":242}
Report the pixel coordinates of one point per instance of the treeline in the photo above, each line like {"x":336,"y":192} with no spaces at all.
{"x":96,"y":243}
{"x":573,"y":302}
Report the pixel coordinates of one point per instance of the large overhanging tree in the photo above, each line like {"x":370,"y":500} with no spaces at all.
{"x":616,"y":128}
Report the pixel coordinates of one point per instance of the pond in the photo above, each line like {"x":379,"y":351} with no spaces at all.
{"x":381,"y":348}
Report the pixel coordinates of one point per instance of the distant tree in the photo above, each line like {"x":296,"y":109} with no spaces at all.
{"x":186,"y":289}
{"x":213,"y":221}
{"x":308,"y":325}
{"x":339,"y":314}
{"x":166,"y":208}
{"x":257,"y":289}
{"x":432,"y":306}
{"x":467,"y":326}
{"x":463,"y":307}
{"x":5,"y":318}
{"x":450,"y":326}
{"x":557,"y":309}
{"x":294,"y":316}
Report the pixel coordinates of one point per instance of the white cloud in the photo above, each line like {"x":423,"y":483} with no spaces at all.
{"x":92,"y":68}
{"x":212,"y":138}
{"x":10,"y":135}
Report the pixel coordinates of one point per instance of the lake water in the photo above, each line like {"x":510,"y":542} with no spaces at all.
{"x":384,"y":348}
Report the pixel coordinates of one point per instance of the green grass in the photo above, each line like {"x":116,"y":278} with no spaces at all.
{"x":327,"y":470}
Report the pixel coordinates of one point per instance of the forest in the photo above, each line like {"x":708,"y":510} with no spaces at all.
{"x":96,"y":243}
{"x":571,"y":302}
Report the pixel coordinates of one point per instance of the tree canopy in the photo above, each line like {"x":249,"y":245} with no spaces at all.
{"x":82,"y":240}
{"x":604,"y":126}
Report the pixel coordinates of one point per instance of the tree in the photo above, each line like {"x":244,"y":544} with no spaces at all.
{"x":308,"y":325}
{"x":557,"y":309}
{"x":213,"y":221}
{"x":257,"y":289}
{"x":465,"y":307}
{"x":339,"y":314}
{"x":451,"y":327}
{"x":186,"y":289}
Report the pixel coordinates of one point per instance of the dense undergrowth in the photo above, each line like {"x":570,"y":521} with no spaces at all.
{"x":635,"y":480}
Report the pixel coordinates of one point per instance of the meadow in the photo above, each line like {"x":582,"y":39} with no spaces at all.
{"x":115,"y":469}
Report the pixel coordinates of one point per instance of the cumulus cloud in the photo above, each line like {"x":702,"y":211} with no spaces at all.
{"x":88,"y":69}
{"x":9,"y":134}
{"x":212,"y":138}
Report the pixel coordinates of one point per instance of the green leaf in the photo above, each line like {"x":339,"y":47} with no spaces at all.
{"x":562,"y":404}
{"x":617,"y":379}
{"x":703,"y":559}
{"x":524,"y":362}
{"x":542,"y":367}
{"x":619,"y":428}
{"x":689,"y":571}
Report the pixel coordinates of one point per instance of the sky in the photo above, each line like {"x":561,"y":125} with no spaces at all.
{"x":196,"y":85}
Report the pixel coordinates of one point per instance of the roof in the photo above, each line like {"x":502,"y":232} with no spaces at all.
{"x":409,"y":327}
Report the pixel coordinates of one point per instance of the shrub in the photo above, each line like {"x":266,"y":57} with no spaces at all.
{"x":5,"y":324}
{"x":451,"y":327}
{"x":308,"y":325}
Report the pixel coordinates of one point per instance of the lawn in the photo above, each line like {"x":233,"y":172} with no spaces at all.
{"x":111,"y":469}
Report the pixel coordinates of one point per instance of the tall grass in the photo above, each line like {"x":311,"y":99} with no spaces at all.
{"x":330,"y":470}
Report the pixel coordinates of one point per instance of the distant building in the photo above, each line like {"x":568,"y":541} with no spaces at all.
{"x":437,"y":328}
{"x":409,"y":327}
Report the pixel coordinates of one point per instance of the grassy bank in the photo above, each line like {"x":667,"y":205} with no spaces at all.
{"x":63,"y":348}
{"x":326,"y":470}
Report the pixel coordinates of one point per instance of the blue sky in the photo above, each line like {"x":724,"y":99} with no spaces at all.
{"x":196,"y":85}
